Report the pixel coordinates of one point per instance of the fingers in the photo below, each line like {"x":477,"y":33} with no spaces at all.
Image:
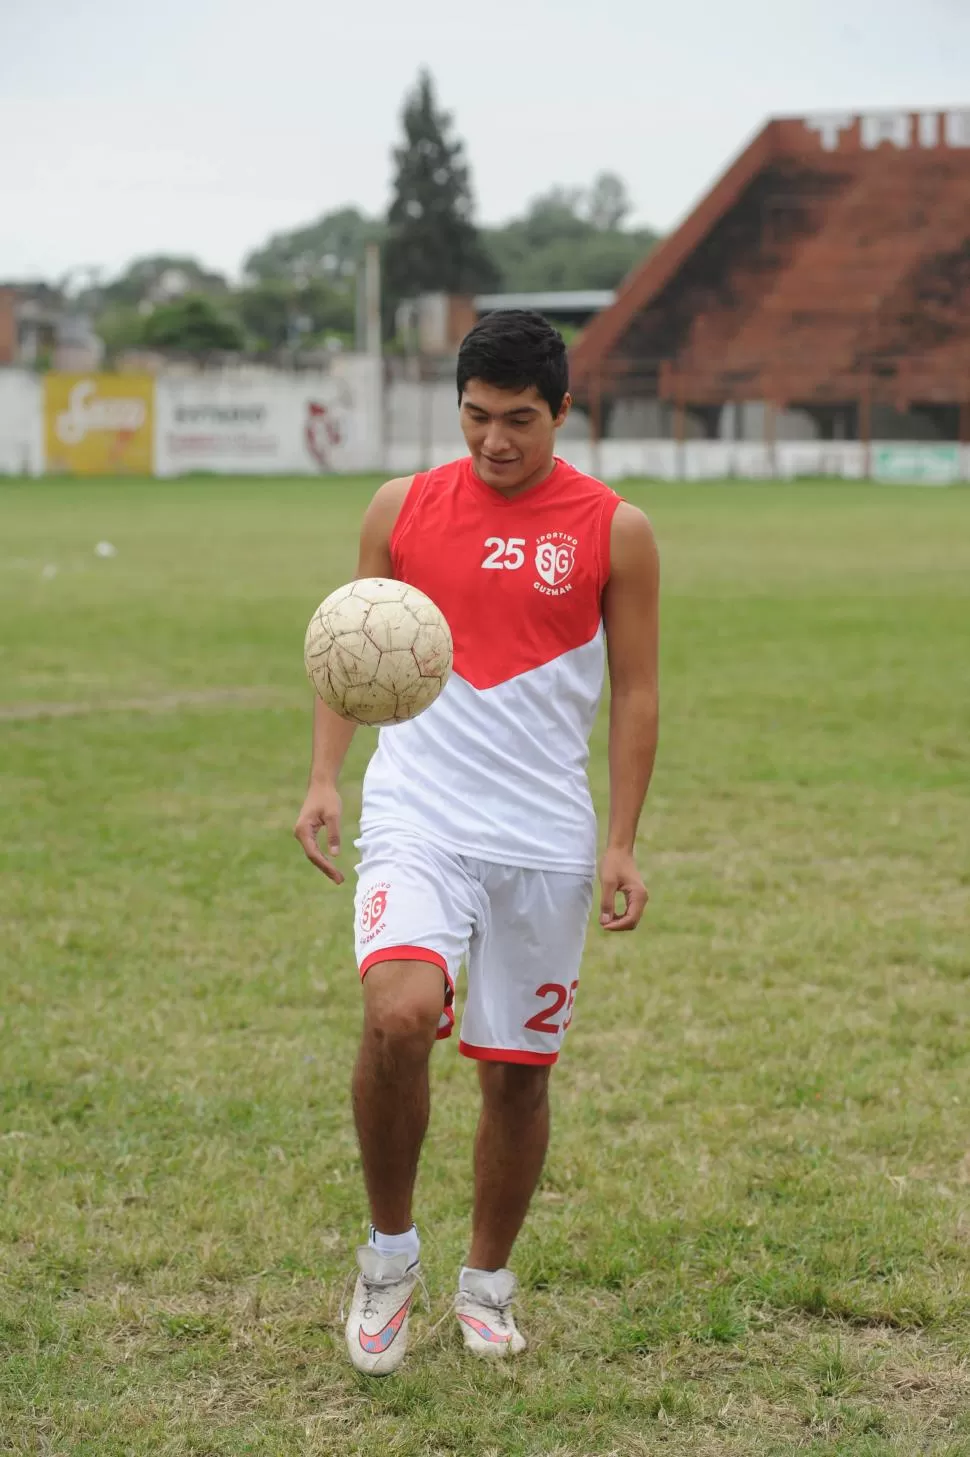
{"x":608,"y":901}
{"x":635,"y":903}
{"x":306,"y":833}
{"x":332,"y":823}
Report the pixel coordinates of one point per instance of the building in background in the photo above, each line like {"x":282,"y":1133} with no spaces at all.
{"x":436,"y":323}
{"x":40,"y":329}
{"x":820,"y":291}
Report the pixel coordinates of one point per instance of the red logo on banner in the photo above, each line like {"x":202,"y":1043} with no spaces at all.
{"x":320,"y":432}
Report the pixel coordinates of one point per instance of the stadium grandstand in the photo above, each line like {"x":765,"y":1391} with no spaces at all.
{"x":821,"y":290}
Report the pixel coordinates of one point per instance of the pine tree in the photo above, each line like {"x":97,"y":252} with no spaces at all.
{"x":432,"y":244}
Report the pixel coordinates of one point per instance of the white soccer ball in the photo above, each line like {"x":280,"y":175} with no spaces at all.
{"x":378,"y":652}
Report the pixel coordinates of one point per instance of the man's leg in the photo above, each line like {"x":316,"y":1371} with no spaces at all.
{"x":513,"y":1134}
{"x":415,"y":907}
{"x":514,"y":1022}
{"x":402,"y":1006}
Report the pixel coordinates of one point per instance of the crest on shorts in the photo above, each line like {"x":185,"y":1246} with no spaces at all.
{"x":555,"y":559}
{"x":373,"y":908}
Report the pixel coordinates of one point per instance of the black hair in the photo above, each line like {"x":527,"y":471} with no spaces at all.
{"x":512,"y":349}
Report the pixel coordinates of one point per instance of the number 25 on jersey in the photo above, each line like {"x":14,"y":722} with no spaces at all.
{"x":504,"y":553}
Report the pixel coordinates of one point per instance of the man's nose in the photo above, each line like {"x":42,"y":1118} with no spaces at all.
{"x":496,"y":441}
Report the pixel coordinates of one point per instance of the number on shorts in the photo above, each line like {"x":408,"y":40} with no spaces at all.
{"x":559,"y":998}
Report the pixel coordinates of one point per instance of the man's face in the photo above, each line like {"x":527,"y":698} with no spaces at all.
{"x":511,"y":436}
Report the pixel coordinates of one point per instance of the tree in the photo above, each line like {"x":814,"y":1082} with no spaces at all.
{"x":161,"y":278}
{"x":608,"y":204}
{"x":600,"y":260}
{"x":554,"y":215}
{"x":193,"y":325}
{"x":432,"y":243}
{"x":120,"y":327}
{"x":328,"y":249}
{"x":570,"y":238}
{"x":277,"y":313}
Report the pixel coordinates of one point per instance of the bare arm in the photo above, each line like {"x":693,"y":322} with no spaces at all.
{"x":332,"y":735}
{"x":631,"y":617}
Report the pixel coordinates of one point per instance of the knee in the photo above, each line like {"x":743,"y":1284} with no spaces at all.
{"x":401,"y":1030}
{"x":402,"y":1007}
{"x":514,"y":1089}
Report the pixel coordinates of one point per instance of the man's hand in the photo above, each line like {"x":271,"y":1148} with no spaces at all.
{"x":619,"y":876}
{"x":321,"y":809}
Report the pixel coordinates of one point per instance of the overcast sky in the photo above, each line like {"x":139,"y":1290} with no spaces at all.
{"x":202,"y":126}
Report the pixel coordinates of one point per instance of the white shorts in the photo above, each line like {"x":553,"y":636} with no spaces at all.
{"x":520,"y":932}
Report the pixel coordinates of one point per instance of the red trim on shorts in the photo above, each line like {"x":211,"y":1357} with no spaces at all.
{"x":418,"y":953}
{"x":431,"y":958}
{"x":507,"y":1054}
{"x":409,"y":953}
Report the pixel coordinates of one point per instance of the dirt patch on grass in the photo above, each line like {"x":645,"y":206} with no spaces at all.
{"x":160,"y":703}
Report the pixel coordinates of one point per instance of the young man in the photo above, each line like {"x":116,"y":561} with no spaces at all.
{"x":478,"y":838}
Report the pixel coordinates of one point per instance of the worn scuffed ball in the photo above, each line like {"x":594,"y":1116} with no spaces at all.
{"x":378,"y":652}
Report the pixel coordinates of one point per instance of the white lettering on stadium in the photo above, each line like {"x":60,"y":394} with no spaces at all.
{"x":893,"y":127}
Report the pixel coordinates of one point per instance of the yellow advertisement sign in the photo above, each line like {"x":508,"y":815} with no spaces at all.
{"x":99,"y":424}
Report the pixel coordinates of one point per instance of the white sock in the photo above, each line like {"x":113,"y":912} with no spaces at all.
{"x":470,"y":1270}
{"x":407,"y":1243}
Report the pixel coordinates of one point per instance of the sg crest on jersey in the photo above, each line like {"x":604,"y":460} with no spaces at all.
{"x":554,"y":562}
{"x":373,"y":910}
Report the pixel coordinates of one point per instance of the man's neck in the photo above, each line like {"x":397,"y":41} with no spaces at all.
{"x":536,"y":479}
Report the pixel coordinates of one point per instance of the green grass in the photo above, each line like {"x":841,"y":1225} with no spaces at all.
{"x":753,"y":1234}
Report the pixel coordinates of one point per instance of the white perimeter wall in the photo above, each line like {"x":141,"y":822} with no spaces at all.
{"x":697,"y":460}
{"x":21,"y":423}
{"x":254,"y":421}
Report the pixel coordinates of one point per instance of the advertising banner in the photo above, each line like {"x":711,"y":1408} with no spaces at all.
{"x":917,"y":465}
{"x":313,"y":424}
{"x":98,"y":424}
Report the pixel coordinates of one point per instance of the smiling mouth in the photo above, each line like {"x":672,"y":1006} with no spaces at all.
{"x":512,"y":460}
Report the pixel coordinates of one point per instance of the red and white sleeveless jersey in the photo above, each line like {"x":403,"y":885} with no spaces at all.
{"x":496,"y":767}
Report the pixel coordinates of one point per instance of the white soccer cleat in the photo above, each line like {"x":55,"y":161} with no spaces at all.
{"x":483,"y":1306}
{"x":377,"y":1327}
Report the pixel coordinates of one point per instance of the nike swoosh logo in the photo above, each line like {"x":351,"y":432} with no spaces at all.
{"x":486,"y":1332}
{"x":375,"y":1344}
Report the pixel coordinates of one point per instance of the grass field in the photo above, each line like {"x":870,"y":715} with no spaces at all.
{"x":753,"y":1233}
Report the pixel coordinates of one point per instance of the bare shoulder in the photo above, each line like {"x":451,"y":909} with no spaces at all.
{"x":388,"y":499}
{"x":375,"y":556}
{"x":633,"y":546}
